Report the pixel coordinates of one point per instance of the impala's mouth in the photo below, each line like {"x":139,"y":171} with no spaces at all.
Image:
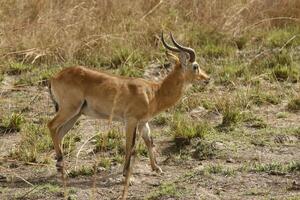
{"x":202,"y":81}
{"x":203,"y":77}
{"x":206,"y":81}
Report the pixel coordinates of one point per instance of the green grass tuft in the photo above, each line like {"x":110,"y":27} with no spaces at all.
{"x":165,"y":190}
{"x":37,"y":76}
{"x":112,"y":140}
{"x":17,"y":68}
{"x":230,"y":73}
{"x":231,"y":110}
{"x":280,"y":37}
{"x":276,"y":168}
{"x":204,"y":150}
{"x":183,"y":130}
{"x":219,"y":169}
{"x":286,"y":73}
{"x":69,"y":142}
{"x":294,"y":104}
{"x":82,"y":171}
{"x":12,"y":123}
{"x":35,"y":140}
{"x":161,"y":119}
{"x":141,"y":149}
{"x":105,"y":162}
{"x":259,"y":97}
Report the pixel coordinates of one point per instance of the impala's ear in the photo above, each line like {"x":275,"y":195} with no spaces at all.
{"x":172,"y":57}
{"x":184,"y":59}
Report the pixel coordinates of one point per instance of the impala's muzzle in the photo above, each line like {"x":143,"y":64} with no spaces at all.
{"x":206,"y":81}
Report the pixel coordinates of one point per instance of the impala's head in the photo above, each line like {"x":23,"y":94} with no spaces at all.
{"x":186,"y":61}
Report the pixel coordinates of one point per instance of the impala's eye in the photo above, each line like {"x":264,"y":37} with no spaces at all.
{"x":195,"y":67}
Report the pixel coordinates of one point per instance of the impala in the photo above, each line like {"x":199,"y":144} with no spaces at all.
{"x":135,"y":101}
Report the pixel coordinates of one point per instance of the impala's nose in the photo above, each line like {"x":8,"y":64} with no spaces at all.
{"x":207,"y":80}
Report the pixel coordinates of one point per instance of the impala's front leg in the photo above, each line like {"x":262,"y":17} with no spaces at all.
{"x":131,"y":128}
{"x":131,"y":134}
{"x":146,"y":135}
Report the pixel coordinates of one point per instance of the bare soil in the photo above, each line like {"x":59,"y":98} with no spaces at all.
{"x":185,"y":175}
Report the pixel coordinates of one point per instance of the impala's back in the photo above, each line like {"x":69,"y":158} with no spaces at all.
{"x":101,"y":94}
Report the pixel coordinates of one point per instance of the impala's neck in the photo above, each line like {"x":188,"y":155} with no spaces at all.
{"x":170,"y":90}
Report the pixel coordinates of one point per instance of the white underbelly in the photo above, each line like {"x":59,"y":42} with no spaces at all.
{"x":88,"y":111}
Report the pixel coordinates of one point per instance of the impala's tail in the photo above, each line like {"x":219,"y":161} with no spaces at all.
{"x":52,"y":97}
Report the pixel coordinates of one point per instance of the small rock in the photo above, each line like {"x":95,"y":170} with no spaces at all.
{"x":154,"y":183}
{"x":2,"y":178}
{"x":198,"y":112}
{"x":219,"y":145}
{"x":101,"y":169}
{"x":13,"y":165}
{"x":295,"y":185}
{"x":199,"y":168}
{"x":230,"y":160}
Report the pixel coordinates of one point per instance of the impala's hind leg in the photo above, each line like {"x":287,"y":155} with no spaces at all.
{"x":59,"y":126}
{"x":146,"y":135}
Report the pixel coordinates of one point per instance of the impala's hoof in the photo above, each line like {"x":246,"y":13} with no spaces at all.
{"x":59,"y":166}
{"x":132,"y":180}
{"x":157,"y":169}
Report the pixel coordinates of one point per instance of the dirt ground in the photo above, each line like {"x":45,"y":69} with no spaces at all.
{"x":230,"y":175}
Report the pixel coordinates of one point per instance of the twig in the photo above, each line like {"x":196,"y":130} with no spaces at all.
{"x":23,"y":179}
{"x":270,"y":19}
{"x":152,"y":10}
{"x":32,"y":100}
{"x":269,"y":50}
{"x":28,"y":192}
{"x":17,"y":52}
{"x":17,"y":88}
{"x":259,"y":55}
{"x":26,"y":163}
{"x":80,"y":149}
{"x":287,"y":42}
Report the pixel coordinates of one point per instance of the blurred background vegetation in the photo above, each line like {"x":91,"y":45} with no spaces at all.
{"x":110,"y":32}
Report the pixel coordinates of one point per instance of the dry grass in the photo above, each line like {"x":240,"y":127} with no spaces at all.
{"x":97,"y":32}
